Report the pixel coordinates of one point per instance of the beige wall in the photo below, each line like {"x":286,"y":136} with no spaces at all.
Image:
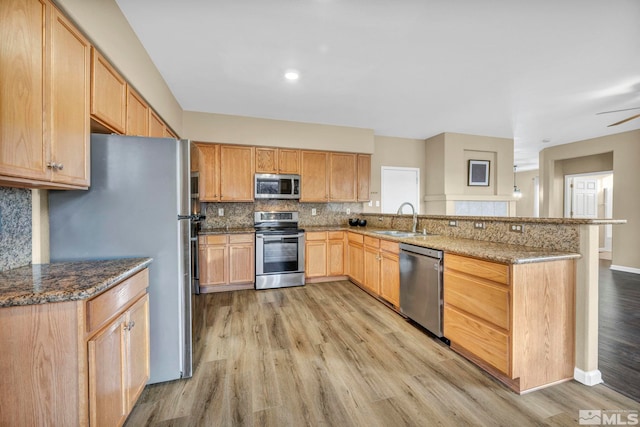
{"x":107,"y":28}
{"x":526,"y":184}
{"x":626,"y":175}
{"x":224,"y":128}
{"x":400,"y":152}
{"x":447,"y":164}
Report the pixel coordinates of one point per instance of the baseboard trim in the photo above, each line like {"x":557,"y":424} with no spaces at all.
{"x":589,"y":378}
{"x":625,"y":269}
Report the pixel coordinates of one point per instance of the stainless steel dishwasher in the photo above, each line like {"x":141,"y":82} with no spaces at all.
{"x":421,"y":286}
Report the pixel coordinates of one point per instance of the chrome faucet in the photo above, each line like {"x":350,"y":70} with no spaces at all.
{"x":415,"y":215}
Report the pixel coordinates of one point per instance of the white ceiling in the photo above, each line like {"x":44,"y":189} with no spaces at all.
{"x":528,"y":70}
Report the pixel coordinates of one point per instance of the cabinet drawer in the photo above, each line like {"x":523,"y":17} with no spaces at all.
{"x":372,"y":242}
{"x":355,"y":237}
{"x":389,"y":246}
{"x":487,"y":343}
{"x":240,"y":238}
{"x":336,"y":235}
{"x":214,"y":239}
{"x":476,"y":267}
{"x":486,"y":301}
{"x":315,"y":235}
{"x":111,"y":302}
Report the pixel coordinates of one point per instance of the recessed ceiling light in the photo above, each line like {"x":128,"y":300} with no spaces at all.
{"x":546,"y":140}
{"x":292,"y":75}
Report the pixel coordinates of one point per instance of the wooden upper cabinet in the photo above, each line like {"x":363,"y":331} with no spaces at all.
{"x":209,"y":172}
{"x":314,"y":176}
{"x":108,"y":94}
{"x":236,"y":173}
{"x":23,"y":141}
{"x":364,"y":177}
{"x":44,"y":107}
{"x":156,"y":125}
{"x":168,"y":133}
{"x":137,"y":114}
{"x":277,"y":160}
{"x":343,"y":172}
{"x":70,"y":89}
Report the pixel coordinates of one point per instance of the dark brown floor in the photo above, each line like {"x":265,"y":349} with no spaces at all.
{"x":619,"y":330}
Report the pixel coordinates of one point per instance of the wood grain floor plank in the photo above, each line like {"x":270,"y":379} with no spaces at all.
{"x":329,"y":354}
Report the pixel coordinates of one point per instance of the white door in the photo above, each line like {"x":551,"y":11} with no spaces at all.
{"x":581,"y":200}
{"x":400,"y":185}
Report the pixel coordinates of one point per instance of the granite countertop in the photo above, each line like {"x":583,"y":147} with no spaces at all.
{"x":227,"y":230}
{"x":64,"y":281}
{"x":492,"y":251}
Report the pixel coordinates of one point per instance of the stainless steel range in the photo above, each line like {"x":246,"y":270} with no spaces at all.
{"x":279,"y":250}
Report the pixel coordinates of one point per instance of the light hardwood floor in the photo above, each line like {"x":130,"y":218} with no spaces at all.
{"x":328,"y":354}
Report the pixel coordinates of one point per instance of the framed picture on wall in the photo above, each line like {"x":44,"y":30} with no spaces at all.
{"x":479,"y":173}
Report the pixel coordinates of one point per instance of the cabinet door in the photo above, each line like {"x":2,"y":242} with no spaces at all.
{"x":156,"y":125}
{"x":137,"y":349}
{"x":213,"y":265}
{"x":335,"y":257}
{"x":107,"y":393}
{"x":23,"y":139}
{"x":390,"y":277}
{"x":342,"y":168}
{"x":108,"y":94}
{"x":364,"y":177}
{"x":315,"y":258}
{"x":137,"y":114}
{"x":266,"y":160}
{"x":355,"y":264}
{"x":209,"y":169}
{"x":288,"y":161}
{"x":236,"y":173}
{"x":372,"y":269}
{"x":241,"y":259}
{"x":70,"y":93}
{"x":314,"y":176}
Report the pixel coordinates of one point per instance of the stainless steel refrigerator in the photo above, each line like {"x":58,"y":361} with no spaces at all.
{"x":138,"y":205}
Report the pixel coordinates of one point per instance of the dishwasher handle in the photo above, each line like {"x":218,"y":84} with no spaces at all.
{"x":431,"y":253}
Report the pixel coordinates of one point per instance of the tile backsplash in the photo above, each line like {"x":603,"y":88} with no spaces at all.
{"x":240,"y":215}
{"x":15,"y":227}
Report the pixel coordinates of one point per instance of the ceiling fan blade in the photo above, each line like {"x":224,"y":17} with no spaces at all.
{"x":625,"y":120}
{"x":616,"y":111}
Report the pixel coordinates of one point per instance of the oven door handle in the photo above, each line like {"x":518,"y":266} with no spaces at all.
{"x":279,"y":237}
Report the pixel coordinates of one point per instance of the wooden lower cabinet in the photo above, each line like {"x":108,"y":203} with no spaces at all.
{"x":226,"y":260}
{"x":355,"y":257}
{"x":515,"y":321}
{"x":324,"y":254}
{"x":76,"y":363}
{"x":390,"y":272}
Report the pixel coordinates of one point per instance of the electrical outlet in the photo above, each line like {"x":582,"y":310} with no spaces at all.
{"x":348,"y":211}
{"x":313,"y":212}
{"x":370,"y":204}
{"x":377,"y":203}
{"x":516,"y":228}
{"x":220,"y":211}
{"x":478,"y":225}
{"x":453,"y":223}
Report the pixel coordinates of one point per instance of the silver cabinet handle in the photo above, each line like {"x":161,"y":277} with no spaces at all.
{"x":56,"y":166}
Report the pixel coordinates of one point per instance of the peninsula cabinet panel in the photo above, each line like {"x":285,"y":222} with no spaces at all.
{"x":314,"y":176}
{"x":236,"y":173}
{"x":44,"y":107}
{"x":343,"y":177}
{"x":515,"y":321}
{"x":137,"y":114}
{"x":108,"y":94}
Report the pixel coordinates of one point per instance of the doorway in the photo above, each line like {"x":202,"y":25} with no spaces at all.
{"x":590,"y":195}
{"x":399,"y":185}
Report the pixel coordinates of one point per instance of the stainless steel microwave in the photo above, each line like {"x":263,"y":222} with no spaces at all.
{"x":276,"y":186}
